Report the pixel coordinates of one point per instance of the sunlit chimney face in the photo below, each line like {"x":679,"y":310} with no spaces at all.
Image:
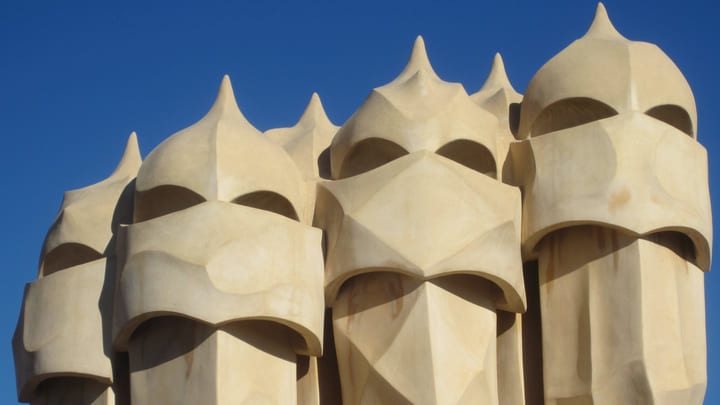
{"x":439,"y":247}
{"x":603,"y":74}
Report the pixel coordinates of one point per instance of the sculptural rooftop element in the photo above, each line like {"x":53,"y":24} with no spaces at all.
{"x":426,"y":251}
{"x":603,"y":74}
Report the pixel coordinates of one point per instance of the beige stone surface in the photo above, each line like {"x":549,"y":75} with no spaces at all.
{"x":436,"y":344}
{"x":617,"y":211}
{"x":638,"y":319}
{"x":73,"y":391}
{"x":308,"y":380}
{"x":180,"y":361}
{"x":399,"y":218}
{"x":403,"y":243}
{"x":249,"y":298}
{"x":252,"y":264}
{"x":603,"y":74}
{"x":88,"y":216}
{"x":628,"y":171}
{"x":402,"y":254}
{"x":221,"y":157}
{"x":498,"y":96}
{"x":308,"y":144}
{"x":60,"y":332}
{"x":308,"y":140}
{"x":401,"y":118}
{"x":63,"y":328}
{"x":510,"y":359}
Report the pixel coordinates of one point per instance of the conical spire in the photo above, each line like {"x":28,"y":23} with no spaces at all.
{"x":498,"y":78}
{"x":418,"y":62}
{"x":131,"y":159}
{"x":314,"y":114}
{"x":497,"y":94}
{"x":220,"y":157}
{"x":602,"y":27}
{"x":418,"y":91}
{"x":225,"y":105}
{"x":307,"y":140}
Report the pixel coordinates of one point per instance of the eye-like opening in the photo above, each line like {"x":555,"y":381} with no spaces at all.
{"x":568,"y":113}
{"x":163,"y":200}
{"x":376,"y":287}
{"x":514,"y":118}
{"x":268,"y":201}
{"x":470,"y":154}
{"x":369,"y":154}
{"x":323,"y":164}
{"x":471,"y":288}
{"x":175,"y":336}
{"x":678,"y":242}
{"x":673,"y":115}
{"x":67,"y":255}
{"x":70,"y":389}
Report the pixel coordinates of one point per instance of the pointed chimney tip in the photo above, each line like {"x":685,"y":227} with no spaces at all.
{"x":497,"y":78}
{"x":225,"y":101}
{"x":131,"y":160}
{"x":498,"y":66}
{"x":601,"y":26}
{"x":315,"y":111}
{"x":418,"y":61}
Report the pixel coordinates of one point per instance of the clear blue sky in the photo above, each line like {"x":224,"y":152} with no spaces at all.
{"x":76,"y":79}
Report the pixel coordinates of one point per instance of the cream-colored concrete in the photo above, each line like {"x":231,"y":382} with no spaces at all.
{"x":221,"y":157}
{"x":256,"y":279}
{"x":398,"y":217}
{"x":252,"y":264}
{"x":629,"y":171}
{"x":308,"y":380}
{"x":403,"y":242}
{"x":401,"y":117}
{"x":420,"y":235}
{"x":61,"y":328}
{"x":604,"y":73}
{"x":63,"y":332}
{"x":436,"y":344}
{"x":88,"y":216}
{"x":73,"y":391}
{"x":637,"y":334}
{"x":510,"y":364}
{"x":498,"y":96}
{"x":617,"y":211}
{"x":180,"y":361}
{"x":308,"y":144}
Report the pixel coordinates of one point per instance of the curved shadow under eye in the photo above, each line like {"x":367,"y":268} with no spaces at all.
{"x":67,"y":255}
{"x":470,"y":154}
{"x":369,"y":154}
{"x":163,"y":200}
{"x":673,"y":115}
{"x":268,"y":201}
{"x":568,"y":113}
{"x":678,"y":242}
